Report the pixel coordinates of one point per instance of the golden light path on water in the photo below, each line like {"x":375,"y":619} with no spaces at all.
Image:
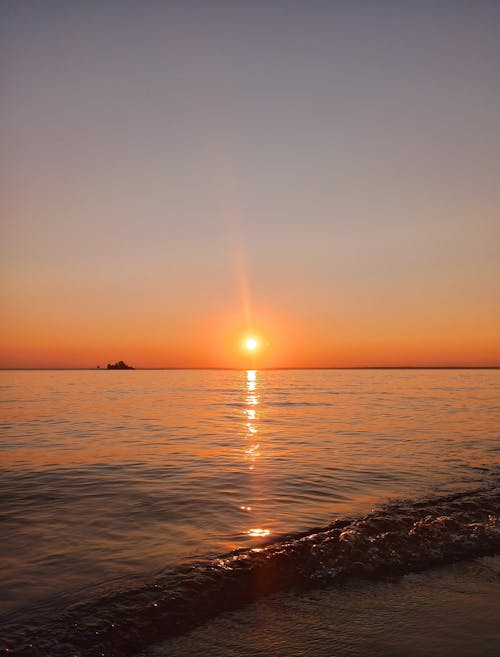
{"x":252,"y":448}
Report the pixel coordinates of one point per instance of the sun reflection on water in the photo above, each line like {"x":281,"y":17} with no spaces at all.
{"x":252,"y":450}
{"x":258,"y":532}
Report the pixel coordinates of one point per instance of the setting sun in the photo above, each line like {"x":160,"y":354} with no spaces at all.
{"x":251,"y":344}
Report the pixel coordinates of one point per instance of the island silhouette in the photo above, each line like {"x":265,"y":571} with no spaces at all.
{"x":120,"y":365}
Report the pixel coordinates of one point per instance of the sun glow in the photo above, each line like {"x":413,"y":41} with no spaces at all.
{"x":251,"y":344}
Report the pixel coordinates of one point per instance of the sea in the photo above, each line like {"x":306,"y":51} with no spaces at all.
{"x":225,"y":512}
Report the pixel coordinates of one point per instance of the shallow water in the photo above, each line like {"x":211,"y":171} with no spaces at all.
{"x":448,"y":612}
{"x":110,"y":477}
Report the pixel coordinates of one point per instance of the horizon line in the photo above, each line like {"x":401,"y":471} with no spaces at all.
{"x":237,"y":369}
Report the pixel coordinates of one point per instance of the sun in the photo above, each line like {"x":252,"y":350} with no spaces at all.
{"x":251,"y":344}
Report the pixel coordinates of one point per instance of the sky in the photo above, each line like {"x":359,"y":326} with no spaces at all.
{"x":179,"y":176}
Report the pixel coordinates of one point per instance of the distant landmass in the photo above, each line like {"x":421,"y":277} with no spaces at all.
{"x":120,"y":365}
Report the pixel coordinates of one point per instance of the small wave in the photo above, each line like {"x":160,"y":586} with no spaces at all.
{"x":396,"y":539}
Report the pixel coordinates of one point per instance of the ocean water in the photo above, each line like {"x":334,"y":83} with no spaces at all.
{"x":138,"y":504}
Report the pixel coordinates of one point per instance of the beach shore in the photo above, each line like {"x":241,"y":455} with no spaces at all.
{"x":446,"y":612}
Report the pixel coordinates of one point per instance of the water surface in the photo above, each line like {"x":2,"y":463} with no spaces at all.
{"x":108,"y":477}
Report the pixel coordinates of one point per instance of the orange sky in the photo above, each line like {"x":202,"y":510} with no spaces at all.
{"x":324,"y":178}
{"x":213,"y":337}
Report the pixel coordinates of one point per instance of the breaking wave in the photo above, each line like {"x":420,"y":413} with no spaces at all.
{"x":395,"y":539}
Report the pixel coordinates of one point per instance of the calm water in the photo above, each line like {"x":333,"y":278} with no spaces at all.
{"x":110,"y":476}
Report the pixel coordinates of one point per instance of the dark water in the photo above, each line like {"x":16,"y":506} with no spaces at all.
{"x":123,"y":493}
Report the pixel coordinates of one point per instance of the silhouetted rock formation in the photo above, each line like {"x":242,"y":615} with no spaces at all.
{"x":120,"y":365}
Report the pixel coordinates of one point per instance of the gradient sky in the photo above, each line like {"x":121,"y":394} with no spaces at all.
{"x":175,"y":175}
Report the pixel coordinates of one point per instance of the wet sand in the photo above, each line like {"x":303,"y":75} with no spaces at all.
{"x":446,"y":612}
